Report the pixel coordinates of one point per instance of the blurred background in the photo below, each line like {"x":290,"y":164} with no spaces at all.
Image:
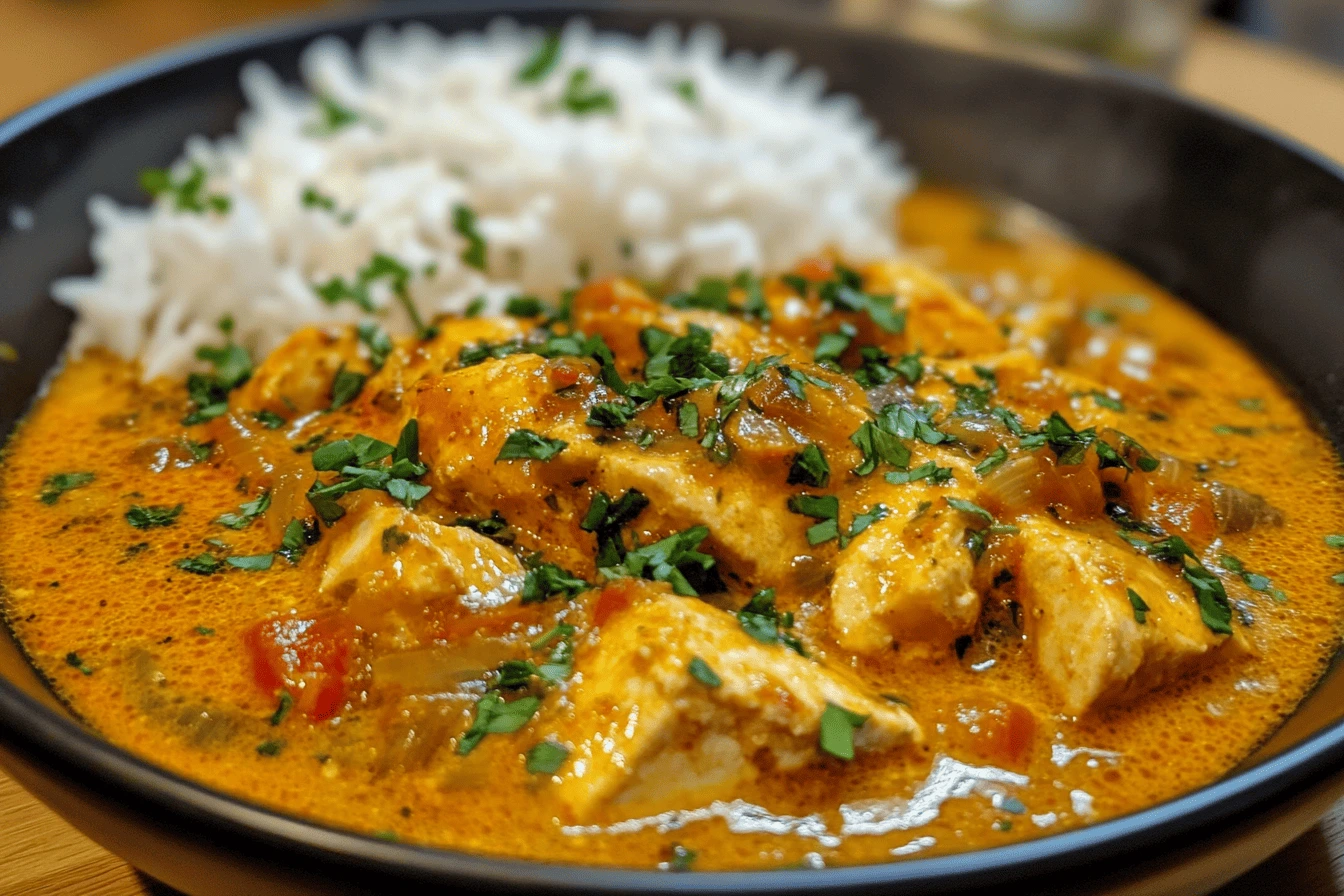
{"x":1280,"y":62}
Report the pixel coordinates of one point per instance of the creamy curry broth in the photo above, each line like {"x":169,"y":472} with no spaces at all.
{"x":173,"y":663}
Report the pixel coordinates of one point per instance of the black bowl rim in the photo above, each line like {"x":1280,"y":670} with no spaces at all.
{"x":49,"y":739}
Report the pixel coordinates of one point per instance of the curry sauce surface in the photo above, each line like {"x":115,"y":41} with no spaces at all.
{"x":152,"y":656}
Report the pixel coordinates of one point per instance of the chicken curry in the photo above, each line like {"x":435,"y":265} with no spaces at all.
{"x":837,"y":566}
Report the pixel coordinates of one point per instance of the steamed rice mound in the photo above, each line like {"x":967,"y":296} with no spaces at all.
{"x":655,"y":158}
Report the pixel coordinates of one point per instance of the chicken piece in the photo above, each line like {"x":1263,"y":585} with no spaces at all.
{"x":618,"y":310}
{"x":466,"y":415}
{"x":396,"y":567}
{"x":938,"y":322}
{"x":753,"y":534}
{"x":297,"y":376}
{"x":413,"y":359}
{"x":907,"y":577}
{"x":1088,"y":643}
{"x":646,"y":732}
{"x":1034,"y":390}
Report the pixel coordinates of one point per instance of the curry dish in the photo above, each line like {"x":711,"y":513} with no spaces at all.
{"x":831,"y":567}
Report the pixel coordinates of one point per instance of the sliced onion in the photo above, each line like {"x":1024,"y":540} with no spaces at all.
{"x":1238,"y":510}
{"x":1017,"y":485}
{"x":439,"y":670}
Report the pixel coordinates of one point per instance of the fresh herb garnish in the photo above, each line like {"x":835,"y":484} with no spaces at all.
{"x":285,"y":704}
{"x":152,"y":516}
{"x":345,"y":386}
{"x":605,"y":519}
{"x":1140,"y":608}
{"x":837,"y":731}
{"x":252,"y":563}
{"x":58,"y":484}
{"x":845,"y":292}
{"x":376,"y":340}
{"x":73,"y":660}
{"x":524,"y":444}
{"x":495,"y":715}
{"x":464,"y":224}
{"x":809,"y":467}
{"x":360,"y":462}
{"x":701,"y":672}
{"x":270,"y":747}
{"x":928,"y":470}
{"x":583,"y":97}
{"x":1214,"y":607}
{"x":686,"y":89}
{"x":186,"y":194}
{"x":1254,"y":580}
{"x":209,"y":393}
{"x":764,"y":622}
{"x":992,"y":461}
{"x":202,"y":564}
{"x":674,"y":560}
{"x":546,"y":758}
{"x":247,"y":512}
{"x":547,"y":579}
{"x":682,"y":859}
{"x":542,"y":61}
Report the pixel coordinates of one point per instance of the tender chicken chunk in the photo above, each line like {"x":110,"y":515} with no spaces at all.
{"x":297,"y":376}
{"x":412,"y":360}
{"x":939,"y":322}
{"x":466,"y":415}
{"x":1088,"y":643}
{"x":906,"y":577}
{"x":645,"y":731}
{"x":752,"y":531}
{"x":394,"y":565}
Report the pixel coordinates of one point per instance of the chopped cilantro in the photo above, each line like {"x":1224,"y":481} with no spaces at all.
{"x":688,"y":420}
{"x":674,"y":560}
{"x":583,"y":97}
{"x":1140,"y":608}
{"x":253,"y":563}
{"x":1254,"y":580}
{"x":73,"y":660}
{"x":971,"y":509}
{"x":686,"y":89}
{"x":247,"y":512}
{"x":1226,"y":429}
{"x":764,"y":622}
{"x":702,"y":673}
{"x":524,"y":444}
{"x":809,"y":467}
{"x":376,"y":340}
{"x":546,"y":579}
{"x":542,"y":61}
{"x":993,"y":460}
{"x":204,"y":631}
{"x":392,"y":539}
{"x":524,"y":306}
{"x":58,"y":484}
{"x":1254,"y":405}
{"x":153,"y":516}
{"x":270,"y":747}
{"x":837,"y":731}
{"x":494,"y":715}
{"x":545,"y":758}
{"x":209,"y":394}
{"x":682,"y":859}
{"x":186,"y":194}
{"x":832,"y":345}
{"x":285,"y":704}
{"x":332,"y":117}
{"x":928,"y":470}
{"x":464,"y":224}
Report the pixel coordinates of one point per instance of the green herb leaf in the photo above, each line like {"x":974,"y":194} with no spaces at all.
{"x":524,"y":306}
{"x":972,"y":509}
{"x":464,"y":224}
{"x":253,"y":563}
{"x":837,"y":731}
{"x":376,"y":340}
{"x":702,"y":673}
{"x":548,"y":579}
{"x":345,"y":386}
{"x":992,"y":461}
{"x":282,"y":709}
{"x":542,"y":61}
{"x":496,"y":716}
{"x":153,"y":516}
{"x":1140,"y":608}
{"x":186,"y":194}
{"x":809,"y":468}
{"x":682,"y":859}
{"x":674,"y":560}
{"x":58,"y":484}
{"x":524,"y":444}
{"x":72,"y":659}
{"x":927,"y":470}
{"x":270,"y":747}
{"x":247,"y":512}
{"x":764,"y":622}
{"x":546,"y":758}
{"x":583,"y":97}
{"x":202,"y":564}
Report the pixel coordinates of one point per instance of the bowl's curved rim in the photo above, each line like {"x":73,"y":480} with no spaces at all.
{"x":48,"y":738}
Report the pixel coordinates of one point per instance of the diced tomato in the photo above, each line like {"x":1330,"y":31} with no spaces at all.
{"x":816,"y":269}
{"x":309,"y":657}
{"x":999,"y":731}
{"x":613,"y":599}
{"x":492,"y":623}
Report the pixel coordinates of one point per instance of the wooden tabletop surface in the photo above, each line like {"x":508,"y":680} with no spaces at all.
{"x":48,"y":44}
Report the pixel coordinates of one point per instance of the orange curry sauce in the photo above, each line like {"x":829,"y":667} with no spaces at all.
{"x":345,"y":696}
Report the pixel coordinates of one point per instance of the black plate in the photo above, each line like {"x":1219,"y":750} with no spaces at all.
{"x":1245,"y":225}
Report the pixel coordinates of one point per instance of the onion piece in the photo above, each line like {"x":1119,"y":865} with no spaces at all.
{"x":439,"y":670}
{"x":1238,"y":510}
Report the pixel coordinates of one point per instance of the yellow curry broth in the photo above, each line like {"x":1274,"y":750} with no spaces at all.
{"x":154,"y":657}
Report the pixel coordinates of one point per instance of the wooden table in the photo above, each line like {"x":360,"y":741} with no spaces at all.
{"x":45,"y":46}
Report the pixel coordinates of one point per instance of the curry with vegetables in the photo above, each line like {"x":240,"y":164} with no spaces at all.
{"x":836,"y":566}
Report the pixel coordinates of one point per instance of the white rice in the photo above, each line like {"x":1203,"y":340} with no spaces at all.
{"x":759,"y":171}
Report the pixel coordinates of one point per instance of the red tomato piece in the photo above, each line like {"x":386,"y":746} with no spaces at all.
{"x":613,"y":599}
{"x":309,"y":657}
